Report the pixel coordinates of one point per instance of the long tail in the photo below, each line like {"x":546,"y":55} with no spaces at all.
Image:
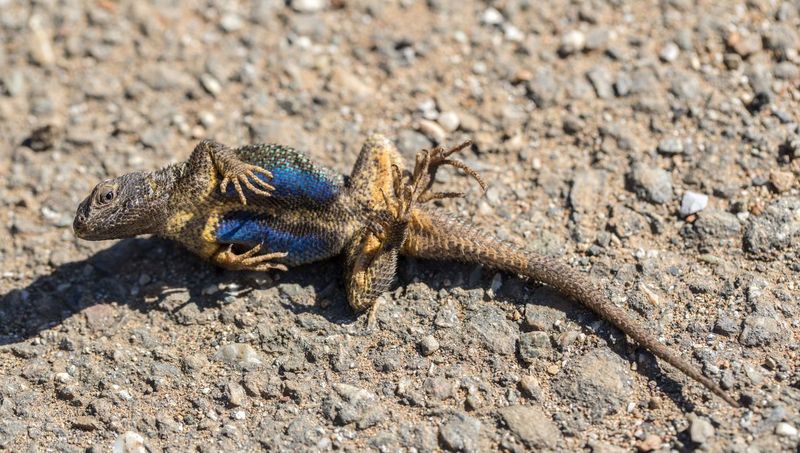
{"x":436,"y":235}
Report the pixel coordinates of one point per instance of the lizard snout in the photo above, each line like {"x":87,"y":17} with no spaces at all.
{"x":79,"y":224}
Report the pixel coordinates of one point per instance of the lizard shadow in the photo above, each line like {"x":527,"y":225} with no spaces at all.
{"x":146,"y":273}
{"x":123,"y":273}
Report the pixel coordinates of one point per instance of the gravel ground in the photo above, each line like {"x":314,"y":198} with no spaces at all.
{"x":652,"y":144}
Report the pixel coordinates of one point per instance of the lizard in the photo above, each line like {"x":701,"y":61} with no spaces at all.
{"x":268,"y":206}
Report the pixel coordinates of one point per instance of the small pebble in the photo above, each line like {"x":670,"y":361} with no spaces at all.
{"x":460,"y":433}
{"x":238,"y":353}
{"x":63,"y":377}
{"x":786,"y":430}
{"x":670,"y":146}
{"x":41,"y":41}
{"x":433,"y":131}
{"x":669,"y":52}
{"x":129,"y":442}
{"x":513,"y":33}
{"x":207,"y":119}
{"x":700,"y":430}
{"x":231,"y":22}
{"x":429,"y":345}
{"x":744,"y":44}
{"x":308,"y":6}
{"x":782,"y":181}
{"x":449,"y":121}
{"x":693,"y":203}
{"x":529,"y":386}
{"x":652,"y":183}
{"x":211,"y":84}
{"x":649,"y":443}
{"x":572,"y":42}
{"x":492,"y":16}
{"x":235,"y":394}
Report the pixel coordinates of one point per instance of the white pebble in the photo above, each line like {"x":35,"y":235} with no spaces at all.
{"x":692,"y":203}
{"x":572,"y":41}
{"x":513,"y":33}
{"x":238,"y":353}
{"x":786,"y":430}
{"x":63,"y":377}
{"x":669,"y":52}
{"x":211,"y":84}
{"x":433,"y":131}
{"x":449,"y":121}
{"x":492,"y":17}
{"x":303,"y":42}
{"x":231,"y":22}
{"x":129,"y":442}
{"x":41,"y":41}
{"x":207,"y":119}
{"x":308,"y":6}
{"x":497,"y":283}
{"x":428,"y":109}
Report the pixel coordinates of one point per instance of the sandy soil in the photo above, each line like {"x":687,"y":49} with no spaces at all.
{"x":653,"y":145}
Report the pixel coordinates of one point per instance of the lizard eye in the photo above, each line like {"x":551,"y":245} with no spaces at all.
{"x":105,"y":195}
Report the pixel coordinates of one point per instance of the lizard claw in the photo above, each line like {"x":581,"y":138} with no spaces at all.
{"x":246,"y":174}
{"x":416,"y":187}
{"x":428,"y":163}
{"x":250,"y":260}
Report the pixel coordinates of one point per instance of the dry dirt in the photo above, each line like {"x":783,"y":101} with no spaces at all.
{"x":651,"y":144}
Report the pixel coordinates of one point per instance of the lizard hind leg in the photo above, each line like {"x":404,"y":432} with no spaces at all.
{"x":372,"y":175}
{"x":371,"y":255}
{"x":371,"y":264}
{"x":428,"y":163}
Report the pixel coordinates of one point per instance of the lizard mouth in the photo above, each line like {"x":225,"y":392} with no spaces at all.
{"x":79,"y":227}
{"x":83,"y":231}
{"x":80,"y":224}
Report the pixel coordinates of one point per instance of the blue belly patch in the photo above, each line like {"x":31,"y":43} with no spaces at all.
{"x":249,"y":229}
{"x":290,"y":182}
{"x":293,"y":182}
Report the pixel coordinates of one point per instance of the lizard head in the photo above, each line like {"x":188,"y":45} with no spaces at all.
{"x":119,"y":208}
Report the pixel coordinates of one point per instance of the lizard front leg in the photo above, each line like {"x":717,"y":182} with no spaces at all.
{"x":250,"y":260}
{"x":233,"y":170}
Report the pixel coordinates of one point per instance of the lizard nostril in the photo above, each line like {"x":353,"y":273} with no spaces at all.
{"x":79,"y":222}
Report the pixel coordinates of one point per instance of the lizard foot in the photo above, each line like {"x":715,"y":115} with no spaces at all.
{"x":372,"y":316}
{"x":239,"y":173}
{"x":427,"y":164}
{"x":249,"y":260}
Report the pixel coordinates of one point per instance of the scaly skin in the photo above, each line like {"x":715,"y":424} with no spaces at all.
{"x":263,"y":207}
